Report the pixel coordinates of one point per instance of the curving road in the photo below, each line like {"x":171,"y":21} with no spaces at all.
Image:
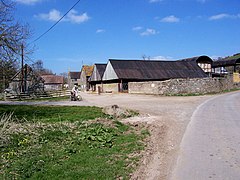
{"x":210,"y":148}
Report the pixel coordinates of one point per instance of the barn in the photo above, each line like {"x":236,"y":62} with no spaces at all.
{"x":96,"y":77}
{"x":229,"y":65}
{"x":73,"y":79}
{"x":119,"y":73}
{"x":53,"y":82}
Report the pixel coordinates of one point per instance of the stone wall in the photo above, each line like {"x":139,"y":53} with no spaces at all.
{"x":183,"y":86}
{"x":110,"y":88}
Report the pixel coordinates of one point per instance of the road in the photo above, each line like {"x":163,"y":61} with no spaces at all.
{"x":210,"y":147}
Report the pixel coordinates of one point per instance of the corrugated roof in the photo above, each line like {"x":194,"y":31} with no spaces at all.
{"x":156,"y":70}
{"x":229,"y":61}
{"x":52,"y":79}
{"x":101,"y":68}
{"x":74,"y":75}
{"x":98,"y":72}
{"x":198,"y":59}
{"x":87,"y":69}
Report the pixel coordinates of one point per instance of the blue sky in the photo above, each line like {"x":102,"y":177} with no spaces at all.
{"x":96,"y":30}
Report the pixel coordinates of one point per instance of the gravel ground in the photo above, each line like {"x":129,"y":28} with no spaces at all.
{"x":166,"y":117}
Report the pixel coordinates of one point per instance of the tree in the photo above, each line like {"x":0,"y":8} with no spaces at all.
{"x":38,"y":68}
{"x":12,"y":36}
{"x":145,"y":57}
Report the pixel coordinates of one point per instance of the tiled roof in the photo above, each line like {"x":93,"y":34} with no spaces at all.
{"x":87,"y":69}
{"x":52,"y":79}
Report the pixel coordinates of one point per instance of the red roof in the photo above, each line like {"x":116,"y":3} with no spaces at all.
{"x":52,"y":79}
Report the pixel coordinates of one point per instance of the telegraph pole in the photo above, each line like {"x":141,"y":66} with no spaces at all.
{"x":22,"y":66}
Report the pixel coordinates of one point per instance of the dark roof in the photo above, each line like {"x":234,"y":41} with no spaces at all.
{"x":156,"y":70}
{"x":101,"y":68}
{"x":229,"y":61}
{"x":74,"y":75}
{"x":52,"y":79}
{"x":199,"y":59}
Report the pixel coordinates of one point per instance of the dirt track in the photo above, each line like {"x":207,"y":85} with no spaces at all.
{"x":167,"y":118}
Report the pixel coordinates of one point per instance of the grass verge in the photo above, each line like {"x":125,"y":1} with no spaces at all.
{"x":52,"y":113}
{"x":96,"y":149}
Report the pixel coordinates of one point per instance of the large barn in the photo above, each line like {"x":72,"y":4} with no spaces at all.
{"x":119,"y":73}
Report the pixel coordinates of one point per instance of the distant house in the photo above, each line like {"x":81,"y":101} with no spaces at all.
{"x":73,"y":79}
{"x":26,"y":81}
{"x":53,"y":82}
{"x":96,"y":77}
{"x":86,"y":72}
{"x":204,"y":62}
{"x":119,"y":73}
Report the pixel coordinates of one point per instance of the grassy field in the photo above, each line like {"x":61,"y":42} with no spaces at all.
{"x":61,"y":143}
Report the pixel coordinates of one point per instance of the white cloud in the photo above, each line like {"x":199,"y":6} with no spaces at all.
{"x":170,"y":19}
{"x":219,"y":16}
{"x":155,"y":1}
{"x":149,"y":32}
{"x":72,"y":16}
{"x":137,"y":28}
{"x":162,"y":58}
{"x":28,"y":2}
{"x":75,"y":18}
{"x":53,"y":15}
{"x":100,"y":30}
{"x":223,"y":16}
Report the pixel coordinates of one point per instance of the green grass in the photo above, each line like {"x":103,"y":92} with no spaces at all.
{"x":233,"y":57}
{"x":103,"y":149}
{"x":52,"y":113}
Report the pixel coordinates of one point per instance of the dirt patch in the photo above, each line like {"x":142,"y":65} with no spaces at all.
{"x":155,"y":152}
{"x":118,"y":112}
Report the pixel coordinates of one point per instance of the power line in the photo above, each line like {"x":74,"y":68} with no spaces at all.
{"x":55,"y":23}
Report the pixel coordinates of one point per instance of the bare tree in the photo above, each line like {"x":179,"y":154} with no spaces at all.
{"x":12,"y":36}
{"x":145,"y":57}
{"x":38,"y":68}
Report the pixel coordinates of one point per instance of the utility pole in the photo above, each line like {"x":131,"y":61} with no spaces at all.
{"x":22,"y":66}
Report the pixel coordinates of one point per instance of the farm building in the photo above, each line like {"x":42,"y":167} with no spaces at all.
{"x":26,"y":81}
{"x":229,"y":65}
{"x":86,"y":72}
{"x":119,"y":73}
{"x":53,"y":82}
{"x":96,"y":77}
{"x":204,"y":62}
{"x":73,"y":79}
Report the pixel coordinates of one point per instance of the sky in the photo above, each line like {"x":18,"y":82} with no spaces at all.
{"x":97,"y":30}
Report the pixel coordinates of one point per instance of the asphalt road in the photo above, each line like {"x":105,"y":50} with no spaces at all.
{"x":210,"y":148}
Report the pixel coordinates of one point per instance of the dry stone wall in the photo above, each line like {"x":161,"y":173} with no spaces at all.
{"x":183,"y":86}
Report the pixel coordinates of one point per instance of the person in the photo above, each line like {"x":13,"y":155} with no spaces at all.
{"x":74,"y":92}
